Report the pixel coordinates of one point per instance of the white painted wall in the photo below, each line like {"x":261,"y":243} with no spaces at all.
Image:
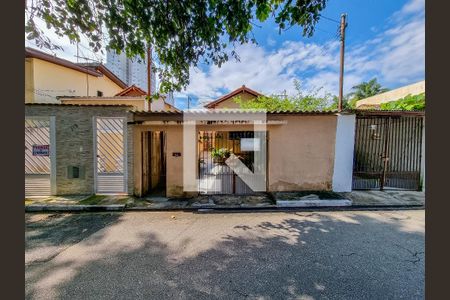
{"x":422,"y":167}
{"x":343,"y":153}
{"x":157,"y":104}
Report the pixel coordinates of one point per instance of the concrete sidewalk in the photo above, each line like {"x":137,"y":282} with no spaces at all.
{"x":386,"y":198}
{"x":262,"y":201}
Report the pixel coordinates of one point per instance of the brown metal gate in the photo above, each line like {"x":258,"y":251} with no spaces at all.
{"x":388,"y":151}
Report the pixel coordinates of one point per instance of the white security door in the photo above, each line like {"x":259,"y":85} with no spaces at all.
{"x":110,"y":155}
{"x":37,"y":157}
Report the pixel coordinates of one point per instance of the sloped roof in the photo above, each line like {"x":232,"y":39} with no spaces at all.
{"x":132,"y":91}
{"x":104,"y":70}
{"x":94,"y":69}
{"x":241,"y":90}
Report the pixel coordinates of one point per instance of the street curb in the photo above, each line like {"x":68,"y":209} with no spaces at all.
{"x":209,"y":209}
{"x":314,"y":203}
{"x":74,"y":208}
{"x":280,"y":209}
{"x":318,"y":209}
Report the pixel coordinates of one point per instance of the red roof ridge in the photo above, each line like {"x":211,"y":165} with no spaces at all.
{"x":231,"y":94}
{"x":131,"y":88}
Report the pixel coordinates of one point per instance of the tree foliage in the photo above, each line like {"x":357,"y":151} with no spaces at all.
{"x":181,"y":33}
{"x":410,"y":102}
{"x":366,"y":89}
{"x":298,"y":102}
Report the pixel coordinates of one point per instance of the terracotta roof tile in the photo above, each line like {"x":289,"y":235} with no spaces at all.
{"x":232,"y":94}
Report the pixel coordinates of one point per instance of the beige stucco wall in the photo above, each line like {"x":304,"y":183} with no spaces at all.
{"x":300,"y":153}
{"x":413,"y":89}
{"x":229,"y":103}
{"x":51,"y":80}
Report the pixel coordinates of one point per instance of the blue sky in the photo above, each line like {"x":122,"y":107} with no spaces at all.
{"x":384,"y":39}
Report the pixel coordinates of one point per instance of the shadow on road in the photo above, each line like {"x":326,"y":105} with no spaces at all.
{"x":306,"y":256}
{"x":46,"y":235}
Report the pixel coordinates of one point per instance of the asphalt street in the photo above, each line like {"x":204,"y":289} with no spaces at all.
{"x":185,"y":255}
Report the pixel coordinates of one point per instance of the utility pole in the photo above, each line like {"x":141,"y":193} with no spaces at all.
{"x":341,"y":71}
{"x":188,"y":102}
{"x":149,"y":77}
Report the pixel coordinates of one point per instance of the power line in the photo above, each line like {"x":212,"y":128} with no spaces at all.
{"x":330,"y":19}
{"x":323,"y":30}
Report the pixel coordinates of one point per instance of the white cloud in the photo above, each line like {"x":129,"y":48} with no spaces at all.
{"x":265,"y":71}
{"x":271,"y":42}
{"x":395,"y":56}
{"x":413,"y":6}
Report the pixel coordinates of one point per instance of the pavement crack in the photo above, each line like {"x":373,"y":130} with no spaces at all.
{"x":415,"y":261}
{"x":415,"y":254}
{"x":240,"y":293}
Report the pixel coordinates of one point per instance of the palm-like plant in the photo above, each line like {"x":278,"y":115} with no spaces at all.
{"x":367,"y":89}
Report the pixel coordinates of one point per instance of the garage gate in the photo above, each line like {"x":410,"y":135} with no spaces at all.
{"x":388,"y":151}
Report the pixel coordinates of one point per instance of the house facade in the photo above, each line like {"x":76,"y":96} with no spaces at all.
{"x":102,"y":148}
{"x":89,"y":145}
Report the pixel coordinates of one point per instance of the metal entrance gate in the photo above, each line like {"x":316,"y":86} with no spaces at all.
{"x":37,"y":157}
{"x":110,"y":153}
{"x":388,"y":152}
{"x":214,"y":147}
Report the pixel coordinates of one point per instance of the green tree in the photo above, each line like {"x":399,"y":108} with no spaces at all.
{"x":181,"y":33}
{"x":347,"y":103}
{"x":366,"y":89}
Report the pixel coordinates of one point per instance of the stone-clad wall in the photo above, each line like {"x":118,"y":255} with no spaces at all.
{"x":74,"y":137}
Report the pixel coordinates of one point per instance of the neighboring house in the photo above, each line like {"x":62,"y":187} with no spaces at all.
{"x":131,"y":96}
{"x":393,"y":95}
{"x":48,"y":77}
{"x":228,"y":100}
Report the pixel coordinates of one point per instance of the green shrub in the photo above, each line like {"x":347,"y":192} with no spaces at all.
{"x":410,"y":102}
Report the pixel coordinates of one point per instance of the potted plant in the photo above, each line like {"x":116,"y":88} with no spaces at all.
{"x":220,"y":155}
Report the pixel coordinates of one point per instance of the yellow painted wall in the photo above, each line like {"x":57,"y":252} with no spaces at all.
{"x":51,"y":80}
{"x":29,"y":82}
{"x":229,"y":103}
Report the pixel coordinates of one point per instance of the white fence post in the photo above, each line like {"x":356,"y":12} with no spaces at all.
{"x":343,"y":153}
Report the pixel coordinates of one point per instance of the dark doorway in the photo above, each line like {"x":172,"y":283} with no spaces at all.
{"x":154,"y":163}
